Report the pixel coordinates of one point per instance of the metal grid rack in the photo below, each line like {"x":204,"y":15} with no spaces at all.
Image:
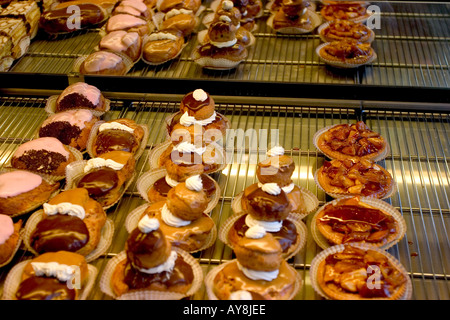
{"x":412,"y":45}
{"x":419,"y":162}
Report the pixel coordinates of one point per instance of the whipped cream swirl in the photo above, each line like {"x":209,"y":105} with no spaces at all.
{"x":270,"y":188}
{"x":258,"y":275}
{"x":171,"y":182}
{"x":167,"y":266}
{"x":187,"y":147}
{"x":64,"y":208}
{"x":147,"y":224}
{"x":114,"y":126}
{"x":100,"y":162}
{"x":200,"y":95}
{"x":269,"y":226}
{"x":62,"y":272}
{"x":187,"y":120}
{"x":170,"y":219}
{"x":255,"y":232}
{"x":276,"y":151}
{"x":194,"y":183}
{"x":240,"y":295}
{"x":287,"y":189}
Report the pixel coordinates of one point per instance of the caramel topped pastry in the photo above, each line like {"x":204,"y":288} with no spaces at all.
{"x":340,"y":29}
{"x":355,"y":273}
{"x":344,"y":11}
{"x":347,"y":51}
{"x":163,"y":46}
{"x":355,"y":177}
{"x":351,"y":220}
{"x":352,"y":141}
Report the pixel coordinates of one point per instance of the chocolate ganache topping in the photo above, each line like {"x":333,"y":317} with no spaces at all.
{"x":115,"y":140}
{"x":99,"y":182}
{"x":191,"y":103}
{"x":44,"y":288}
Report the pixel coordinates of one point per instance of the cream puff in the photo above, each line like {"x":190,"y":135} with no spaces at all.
{"x":9,"y":237}
{"x":162,"y":46}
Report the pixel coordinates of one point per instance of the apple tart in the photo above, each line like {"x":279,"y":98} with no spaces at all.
{"x":340,"y":29}
{"x":346,"y":53}
{"x":345,"y":11}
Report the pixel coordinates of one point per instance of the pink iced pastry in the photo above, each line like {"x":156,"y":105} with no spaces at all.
{"x":123,"y":22}
{"x":47,"y":143}
{"x":89,"y":92}
{"x":101,"y":60}
{"x":119,"y":40}
{"x":6,"y":228}
{"x":17,"y":182}
{"x":133,"y":7}
{"x":74,"y":117}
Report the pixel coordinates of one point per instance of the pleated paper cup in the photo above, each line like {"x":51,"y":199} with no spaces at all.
{"x":217,"y":64}
{"x":311,"y":202}
{"x":105,"y":281}
{"x":375,"y":157}
{"x":339,"y":248}
{"x":148,"y":179}
{"x":211,"y":275}
{"x":132,"y":220}
{"x":107,"y":234}
{"x":370,"y":36}
{"x":389,"y":194}
{"x":348,"y":64}
{"x":316,"y":20}
{"x":74,"y":173}
{"x":14,"y":278}
{"x":324,"y":243}
{"x":95,"y":131}
{"x":302,"y":233}
{"x":16,"y":248}
{"x":50,"y":106}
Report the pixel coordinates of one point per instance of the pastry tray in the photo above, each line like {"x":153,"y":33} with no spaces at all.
{"x":418,"y":162}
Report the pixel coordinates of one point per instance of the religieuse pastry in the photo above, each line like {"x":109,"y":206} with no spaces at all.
{"x":45,"y":155}
{"x":22,"y":191}
{"x":150,"y":268}
{"x":259,"y":271}
{"x":339,"y":29}
{"x":183,"y":216}
{"x":70,"y":221}
{"x":357,"y":220}
{"x":345,"y":141}
{"x":354,"y":177}
{"x":293,"y":17}
{"x":106,"y":177}
{"x":346,"y":53}
{"x":58,"y":275}
{"x":359,"y":272}
{"x":71,"y":127}
{"x":10,"y":239}
{"x":117,"y":135}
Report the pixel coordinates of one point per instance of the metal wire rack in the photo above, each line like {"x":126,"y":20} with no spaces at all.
{"x":419,"y":162}
{"x":412,"y":45}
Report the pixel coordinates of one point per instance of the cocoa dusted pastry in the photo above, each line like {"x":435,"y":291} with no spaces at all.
{"x":163,"y":46}
{"x":54,"y":20}
{"x":127,"y":43}
{"x":352,"y":141}
{"x":80,"y":95}
{"x":45,"y":155}
{"x":71,"y":127}
{"x":118,"y":135}
{"x":355,"y":177}
{"x":107,"y":175}
{"x":22,"y":191}
{"x":344,"y":275}
{"x":71,"y":221}
{"x":182,"y":215}
{"x":259,"y":271}
{"x":46,"y":277}
{"x":9,"y":237}
{"x":151,"y":263}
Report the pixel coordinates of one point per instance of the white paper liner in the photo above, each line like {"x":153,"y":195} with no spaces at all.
{"x":132,"y":220}
{"x":50,"y":106}
{"x":342,"y":64}
{"x":78,"y":155}
{"x":302,"y":233}
{"x":209,"y":281}
{"x":14,"y":276}
{"x":16,"y":248}
{"x":317,"y":135}
{"x":326,"y":24}
{"x":127,"y":61}
{"x":311,"y":202}
{"x":105,"y":281}
{"x":75,"y":171}
{"x":107,"y":234}
{"x":315,"y":22}
{"x":157,"y":151}
{"x":94,"y":133}
{"x":340,"y":195}
{"x":146,"y":181}
{"x":376,"y":203}
{"x":339,"y":248}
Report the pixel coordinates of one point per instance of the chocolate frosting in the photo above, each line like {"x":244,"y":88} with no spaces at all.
{"x":267,"y":204}
{"x":99,"y":182}
{"x":115,"y":140}
{"x":192,"y":104}
{"x":59,"y":232}
{"x":44,"y":288}
{"x":143,"y":247}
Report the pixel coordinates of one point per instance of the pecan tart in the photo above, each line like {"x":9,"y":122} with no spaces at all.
{"x":351,"y":220}
{"x":360,"y":273}
{"x":356,"y":140}
{"x":340,"y":29}
{"x":345,"y":11}
{"x":346,"y":53}
{"x":355,"y":177}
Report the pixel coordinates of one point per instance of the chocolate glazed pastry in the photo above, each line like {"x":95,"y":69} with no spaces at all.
{"x":99,"y":182}
{"x":59,"y":232}
{"x":44,"y":288}
{"x":115,"y":140}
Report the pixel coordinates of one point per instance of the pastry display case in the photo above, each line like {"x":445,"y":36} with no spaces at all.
{"x":281,"y":94}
